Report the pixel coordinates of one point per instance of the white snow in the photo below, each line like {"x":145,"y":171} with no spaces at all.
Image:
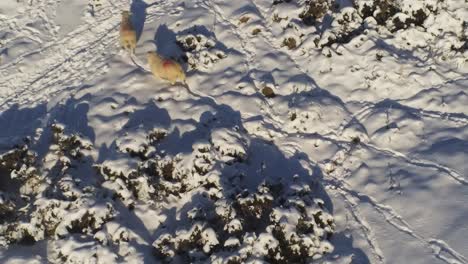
{"x":359,"y":156}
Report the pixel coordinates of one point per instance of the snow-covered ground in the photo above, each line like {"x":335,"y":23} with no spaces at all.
{"x":311,"y":132}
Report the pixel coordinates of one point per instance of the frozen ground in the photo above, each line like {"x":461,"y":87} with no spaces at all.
{"x":335,"y":134}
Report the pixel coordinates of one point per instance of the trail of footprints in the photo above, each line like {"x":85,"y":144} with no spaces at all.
{"x":387,"y":212}
{"x":66,"y":57}
{"x":67,"y":62}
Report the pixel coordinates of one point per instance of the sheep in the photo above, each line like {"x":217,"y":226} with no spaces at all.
{"x":166,"y":69}
{"x":128,"y":37}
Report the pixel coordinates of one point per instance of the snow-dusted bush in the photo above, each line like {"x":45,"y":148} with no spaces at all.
{"x":44,"y":199}
{"x":346,"y":25}
{"x":20,"y":164}
{"x":158,"y":175}
{"x":82,"y":203}
{"x":315,"y":10}
{"x":71,"y":146}
{"x":154,"y":179}
{"x":221,"y":223}
{"x":334,"y":22}
{"x":201,"y":50}
{"x":275,"y":223}
{"x":20,"y":182}
{"x":396,"y":14}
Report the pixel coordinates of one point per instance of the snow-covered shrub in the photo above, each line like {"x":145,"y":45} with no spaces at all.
{"x":229,"y":144}
{"x":315,"y":10}
{"x":201,"y":50}
{"x":462,"y":44}
{"x":203,"y":161}
{"x":20,"y":181}
{"x":141,"y":145}
{"x":333,"y":22}
{"x":83,"y":203}
{"x":221,"y":222}
{"x":166,"y":175}
{"x":154,"y":179}
{"x":71,"y":146}
{"x":276,"y":224}
{"x":46,"y":199}
{"x":19,"y":163}
{"x":158,"y":175}
{"x":346,"y":25}
{"x":381,"y":10}
{"x":397,"y":14}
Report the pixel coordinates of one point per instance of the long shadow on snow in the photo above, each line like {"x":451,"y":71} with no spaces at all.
{"x":24,"y":253}
{"x":21,"y":123}
{"x":344,"y":247}
{"x":400,"y":54}
{"x":138,"y":18}
{"x":18,"y":123}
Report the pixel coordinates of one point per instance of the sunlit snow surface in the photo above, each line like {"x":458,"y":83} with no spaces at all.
{"x":375,"y":125}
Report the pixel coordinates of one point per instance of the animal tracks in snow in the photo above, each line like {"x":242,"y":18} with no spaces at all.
{"x":368,"y":112}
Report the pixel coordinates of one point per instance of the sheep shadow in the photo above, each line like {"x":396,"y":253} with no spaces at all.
{"x":138,"y":17}
{"x":166,"y":43}
{"x":18,"y":123}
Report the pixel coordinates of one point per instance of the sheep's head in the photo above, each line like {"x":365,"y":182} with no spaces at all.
{"x":126,"y":14}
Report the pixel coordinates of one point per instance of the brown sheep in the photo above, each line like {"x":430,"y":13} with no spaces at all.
{"x":128,"y":37}
{"x":165,"y":69}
